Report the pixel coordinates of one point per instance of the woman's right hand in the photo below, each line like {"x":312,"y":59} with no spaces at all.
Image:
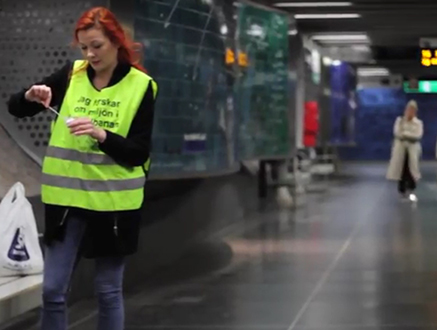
{"x":39,"y":93}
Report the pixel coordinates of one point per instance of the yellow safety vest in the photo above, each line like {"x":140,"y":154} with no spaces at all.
{"x":75,"y":172}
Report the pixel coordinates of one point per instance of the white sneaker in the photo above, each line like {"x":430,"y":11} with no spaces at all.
{"x":413,"y":198}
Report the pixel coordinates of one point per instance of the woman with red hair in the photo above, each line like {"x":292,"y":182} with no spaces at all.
{"x":96,"y":164}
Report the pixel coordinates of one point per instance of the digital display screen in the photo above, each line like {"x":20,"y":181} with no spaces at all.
{"x":422,"y":86}
{"x":429,"y":57}
{"x":242,"y":58}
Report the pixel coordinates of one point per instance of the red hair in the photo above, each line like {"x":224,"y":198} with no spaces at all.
{"x":102,"y":18}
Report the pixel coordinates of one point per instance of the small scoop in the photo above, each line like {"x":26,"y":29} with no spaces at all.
{"x":66,"y":119}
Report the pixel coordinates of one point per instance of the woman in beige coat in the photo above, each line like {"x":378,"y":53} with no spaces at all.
{"x":406,"y":151}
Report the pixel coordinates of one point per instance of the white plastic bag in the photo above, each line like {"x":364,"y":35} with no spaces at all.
{"x":20,"y":252}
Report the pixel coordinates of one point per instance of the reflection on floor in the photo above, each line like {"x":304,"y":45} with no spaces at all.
{"x":355,"y":257}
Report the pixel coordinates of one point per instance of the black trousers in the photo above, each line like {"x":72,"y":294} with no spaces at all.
{"x":407,"y":182}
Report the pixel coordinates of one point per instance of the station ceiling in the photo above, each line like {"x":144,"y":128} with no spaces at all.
{"x":393,"y":27}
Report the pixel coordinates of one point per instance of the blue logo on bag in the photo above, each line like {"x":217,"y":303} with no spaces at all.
{"x":18,"y":251}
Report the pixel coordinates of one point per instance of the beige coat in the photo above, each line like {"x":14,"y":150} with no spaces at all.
{"x":407,"y":135}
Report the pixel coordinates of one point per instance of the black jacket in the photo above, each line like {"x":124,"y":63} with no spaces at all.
{"x":108,"y":233}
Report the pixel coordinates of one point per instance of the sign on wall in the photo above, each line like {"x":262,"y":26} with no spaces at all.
{"x":422,"y":86}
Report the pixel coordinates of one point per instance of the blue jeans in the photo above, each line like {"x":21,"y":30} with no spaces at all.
{"x":60,"y":260}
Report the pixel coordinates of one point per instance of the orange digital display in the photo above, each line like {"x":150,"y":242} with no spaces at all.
{"x":429,"y":57}
{"x":230,"y":56}
{"x":242,"y":58}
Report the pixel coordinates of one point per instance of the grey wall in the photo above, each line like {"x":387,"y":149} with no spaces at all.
{"x":124,"y":10}
{"x":35,"y":37}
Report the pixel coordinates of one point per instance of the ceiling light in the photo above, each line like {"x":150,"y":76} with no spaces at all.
{"x":366,"y":70}
{"x":326,"y":16}
{"x":372,"y":69}
{"x":372,"y":72}
{"x":361,"y":48}
{"x":224,"y":29}
{"x":327,"y":61}
{"x":344,"y":42}
{"x":312,"y":4}
{"x":340,"y":37}
{"x":292,"y":32}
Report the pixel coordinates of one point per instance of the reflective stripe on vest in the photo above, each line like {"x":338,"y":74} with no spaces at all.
{"x":93,"y":185}
{"x":75,"y":172}
{"x":87,"y":158}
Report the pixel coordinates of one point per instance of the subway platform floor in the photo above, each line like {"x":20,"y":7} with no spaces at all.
{"x":352,"y":258}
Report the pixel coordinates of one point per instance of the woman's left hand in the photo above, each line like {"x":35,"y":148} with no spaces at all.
{"x":85,"y":126}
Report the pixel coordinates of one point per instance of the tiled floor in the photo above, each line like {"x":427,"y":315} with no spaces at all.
{"x":353,"y":258}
